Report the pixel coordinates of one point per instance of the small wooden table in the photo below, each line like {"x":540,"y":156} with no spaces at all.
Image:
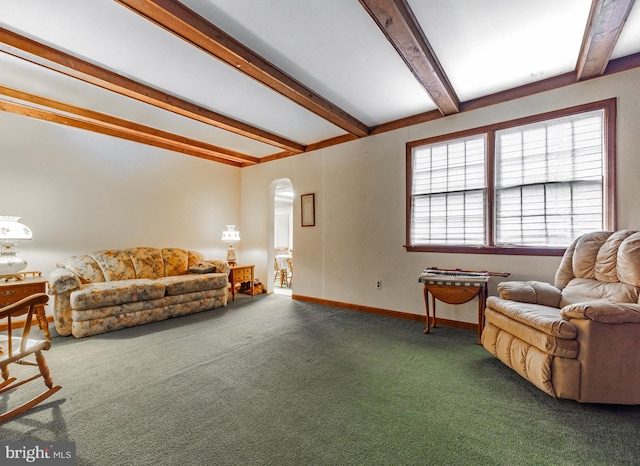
{"x":456,"y":287}
{"x":13,"y":290}
{"x":240,"y":274}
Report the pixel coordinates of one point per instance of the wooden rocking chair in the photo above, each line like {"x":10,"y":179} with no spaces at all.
{"x":14,"y":349}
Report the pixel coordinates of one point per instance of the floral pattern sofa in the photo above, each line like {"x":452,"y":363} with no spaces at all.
{"x":113,"y":289}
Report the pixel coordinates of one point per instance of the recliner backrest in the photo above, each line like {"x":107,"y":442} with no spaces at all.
{"x":602,"y":265}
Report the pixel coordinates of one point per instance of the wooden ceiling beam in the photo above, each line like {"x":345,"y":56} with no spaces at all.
{"x":606,"y":20}
{"x":43,"y":55}
{"x":193,"y":28}
{"x":45,"y":115}
{"x":112,"y":126}
{"x":397,"y":22}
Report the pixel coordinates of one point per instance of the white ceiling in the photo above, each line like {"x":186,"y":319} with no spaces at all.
{"x":333,"y":47}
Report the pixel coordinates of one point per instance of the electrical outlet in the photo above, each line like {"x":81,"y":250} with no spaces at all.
{"x":379,"y":284}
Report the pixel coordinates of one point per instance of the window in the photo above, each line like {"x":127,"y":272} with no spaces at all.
{"x":448,"y":192}
{"x":528,"y":186}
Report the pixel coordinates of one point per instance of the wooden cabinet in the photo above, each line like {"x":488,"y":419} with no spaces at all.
{"x":240,"y":274}
{"x":32,"y":283}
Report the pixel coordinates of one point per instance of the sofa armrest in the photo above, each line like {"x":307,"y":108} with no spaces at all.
{"x":63,"y":280}
{"x":221,"y":266}
{"x":602,"y":311}
{"x":530,"y":292}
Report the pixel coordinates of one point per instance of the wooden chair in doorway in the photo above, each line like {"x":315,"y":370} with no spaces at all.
{"x":290,"y":279}
{"x":280,"y":274}
{"x":14,"y":350}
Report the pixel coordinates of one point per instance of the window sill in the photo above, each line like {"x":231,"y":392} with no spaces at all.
{"x":499,"y":250}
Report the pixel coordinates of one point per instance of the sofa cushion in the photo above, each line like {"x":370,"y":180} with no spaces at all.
{"x":546,"y":343}
{"x":583,"y":289}
{"x":194,"y":282}
{"x":628,"y":260}
{"x":586,"y":253}
{"x":147,"y":262}
{"x":175,"y":261}
{"x":161,"y":306}
{"x":106,"y":319}
{"x":85,"y":267}
{"x":606,"y":267}
{"x":95,"y":295}
{"x":194,"y":257}
{"x":115,"y":265}
{"x":605,"y":256}
{"x":544,"y":318}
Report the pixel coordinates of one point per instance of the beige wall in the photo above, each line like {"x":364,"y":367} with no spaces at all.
{"x":360,"y":206}
{"x":80,"y":191}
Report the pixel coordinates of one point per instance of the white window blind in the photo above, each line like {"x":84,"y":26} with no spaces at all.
{"x":448,"y":192}
{"x":549,"y":180}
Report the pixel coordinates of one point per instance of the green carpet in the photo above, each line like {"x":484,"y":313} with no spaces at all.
{"x":272,"y":381}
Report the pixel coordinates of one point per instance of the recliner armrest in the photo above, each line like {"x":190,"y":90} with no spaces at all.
{"x":602,"y":311}
{"x":530,"y":292}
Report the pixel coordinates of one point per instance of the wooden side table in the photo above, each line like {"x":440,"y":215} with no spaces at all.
{"x":12,"y":291}
{"x":240,"y":274}
{"x":456,"y":294}
{"x":456,"y":286}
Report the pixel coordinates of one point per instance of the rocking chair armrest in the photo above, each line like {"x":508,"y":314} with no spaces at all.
{"x":62,"y":281}
{"x":18,"y":308}
{"x":601,"y":311}
{"x":17,"y":349}
{"x":533,"y":292}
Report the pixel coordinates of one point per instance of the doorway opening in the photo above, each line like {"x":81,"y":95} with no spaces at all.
{"x":283,"y":238}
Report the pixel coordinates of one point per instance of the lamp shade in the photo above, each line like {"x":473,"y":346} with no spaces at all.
{"x":230,"y":235}
{"x":11,"y":230}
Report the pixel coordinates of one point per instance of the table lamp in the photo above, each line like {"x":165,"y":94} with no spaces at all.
{"x":11,"y":232}
{"x":230,"y":235}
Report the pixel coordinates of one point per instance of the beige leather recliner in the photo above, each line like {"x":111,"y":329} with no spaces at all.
{"x":579,"y":339}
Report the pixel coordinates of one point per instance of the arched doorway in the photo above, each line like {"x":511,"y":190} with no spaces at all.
{"x":282,"y":237}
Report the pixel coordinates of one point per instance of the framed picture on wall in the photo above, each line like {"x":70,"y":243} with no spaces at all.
{"x":308,"y":203}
